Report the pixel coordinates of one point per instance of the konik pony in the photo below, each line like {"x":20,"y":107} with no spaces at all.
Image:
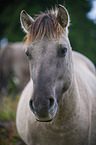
{"x":58,"y":105}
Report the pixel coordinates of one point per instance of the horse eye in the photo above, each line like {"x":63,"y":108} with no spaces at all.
{"x":62,"y":52}
{"x":28,"y":54}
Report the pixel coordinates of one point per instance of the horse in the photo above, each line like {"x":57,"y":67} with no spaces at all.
{"x":13,"y":62}
{"x":58,"y":105}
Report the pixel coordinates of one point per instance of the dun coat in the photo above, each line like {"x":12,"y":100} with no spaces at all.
{"x":58,"y":105}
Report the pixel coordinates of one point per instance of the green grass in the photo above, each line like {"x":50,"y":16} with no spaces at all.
{"x":8,"y":108}
{"x":8,"y":132}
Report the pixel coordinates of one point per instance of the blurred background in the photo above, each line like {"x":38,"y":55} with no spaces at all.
{"x":14,"y":72}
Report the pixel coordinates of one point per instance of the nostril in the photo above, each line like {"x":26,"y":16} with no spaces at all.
{"x":51,"y":101}
{"x":31,"y":105}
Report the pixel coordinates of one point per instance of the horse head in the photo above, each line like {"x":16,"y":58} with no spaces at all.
{"x":49,"y":53}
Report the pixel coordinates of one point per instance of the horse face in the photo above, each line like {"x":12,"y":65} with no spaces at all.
{"x":50,"y":70}
{"x":50,"y":60}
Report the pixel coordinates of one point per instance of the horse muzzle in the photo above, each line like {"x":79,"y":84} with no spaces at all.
{"x":44,"y":111}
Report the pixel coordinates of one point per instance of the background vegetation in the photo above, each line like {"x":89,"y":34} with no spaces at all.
{"x":82,"y":34}
{"x":82,"y":30}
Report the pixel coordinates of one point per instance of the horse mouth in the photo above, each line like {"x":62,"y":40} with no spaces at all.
{"x":44,"y":120}
{"x":47,"y":118}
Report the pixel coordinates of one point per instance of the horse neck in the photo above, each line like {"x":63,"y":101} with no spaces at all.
{"x":69,"y":105}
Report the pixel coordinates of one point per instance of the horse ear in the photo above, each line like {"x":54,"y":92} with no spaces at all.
{"x":62,"y":16}
{"x":25,"y":20}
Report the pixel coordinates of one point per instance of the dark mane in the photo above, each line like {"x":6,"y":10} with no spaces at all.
{"x":45,"y":25}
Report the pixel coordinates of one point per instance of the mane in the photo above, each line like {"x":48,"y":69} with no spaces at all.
{"x":45,"y":25}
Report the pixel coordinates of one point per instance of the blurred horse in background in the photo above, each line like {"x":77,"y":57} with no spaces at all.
{"x":13,"y":63}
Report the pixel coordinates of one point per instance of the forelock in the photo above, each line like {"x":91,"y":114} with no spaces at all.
{"x":45,"y":25}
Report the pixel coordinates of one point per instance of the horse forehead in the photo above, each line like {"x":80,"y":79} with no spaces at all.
{"x":44,"y":47}
{"x":51,"y":45}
